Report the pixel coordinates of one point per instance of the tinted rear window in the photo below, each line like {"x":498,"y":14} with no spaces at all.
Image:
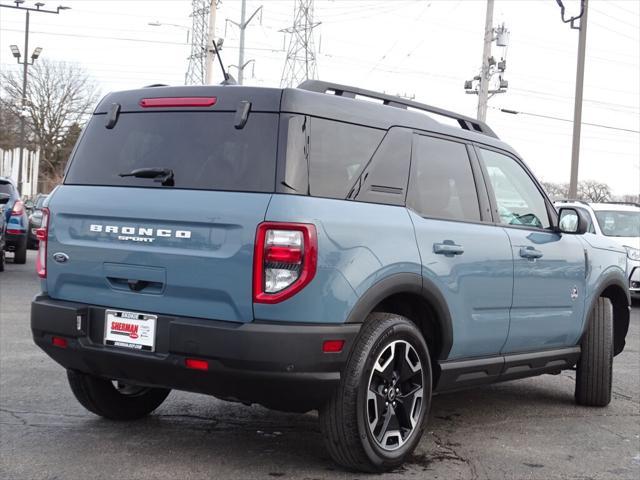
{"x":204,"y":150}
{"x":6,"y":188}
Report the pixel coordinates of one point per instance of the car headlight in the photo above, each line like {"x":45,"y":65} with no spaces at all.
{"x":633,"y":253}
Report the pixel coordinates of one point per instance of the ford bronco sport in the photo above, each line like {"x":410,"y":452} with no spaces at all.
{"x":306,"y":249}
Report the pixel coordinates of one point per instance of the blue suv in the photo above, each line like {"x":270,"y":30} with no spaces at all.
{"x":322,"y":247}
{"x":17,"y":221}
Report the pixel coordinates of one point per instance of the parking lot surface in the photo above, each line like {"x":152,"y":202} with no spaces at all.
{"x":526,"y":429}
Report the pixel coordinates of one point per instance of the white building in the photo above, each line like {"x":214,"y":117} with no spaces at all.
{"x":9,"y":160}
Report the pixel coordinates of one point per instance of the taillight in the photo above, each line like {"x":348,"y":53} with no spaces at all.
{"x":285,"y":260}
{"x":42,"y":234}
{"x":18,"y":208}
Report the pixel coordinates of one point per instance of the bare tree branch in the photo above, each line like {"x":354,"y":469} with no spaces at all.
{"x":59,"y":96}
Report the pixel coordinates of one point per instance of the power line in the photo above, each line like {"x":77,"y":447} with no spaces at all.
{"x":517,"y":112}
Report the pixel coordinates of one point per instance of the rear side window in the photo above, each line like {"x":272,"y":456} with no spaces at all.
{"x":337,"y":154}
{"x":442,"y":184}
{"x":204,"y":150}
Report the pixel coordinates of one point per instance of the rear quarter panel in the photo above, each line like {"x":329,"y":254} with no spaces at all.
{"x":359,"y":244}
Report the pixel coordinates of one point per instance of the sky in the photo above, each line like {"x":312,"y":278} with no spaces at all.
{"x":418,"y":48}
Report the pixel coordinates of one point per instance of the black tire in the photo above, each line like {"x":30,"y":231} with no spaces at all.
{"x":594,"y":370}
{"x":101,"y":397}
{"x":346,"y":419}
{"x":2,"y":260}
{"x":20,"y":254}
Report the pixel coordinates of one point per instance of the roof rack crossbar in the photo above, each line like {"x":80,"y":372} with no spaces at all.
{"x":466,"y":123}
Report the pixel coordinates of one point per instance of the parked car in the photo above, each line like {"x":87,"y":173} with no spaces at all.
{"x":35,"y":220}
{"x":4,"y":198}
{"x":306,"y":249}
{"x":17,"y":222}
{"x":619,"y":222}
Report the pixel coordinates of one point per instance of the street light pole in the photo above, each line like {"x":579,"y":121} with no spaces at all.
{"x":25,"y":67}
{"x":25,"y":71}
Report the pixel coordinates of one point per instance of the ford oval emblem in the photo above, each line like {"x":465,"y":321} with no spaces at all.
{"x":61,"y":257}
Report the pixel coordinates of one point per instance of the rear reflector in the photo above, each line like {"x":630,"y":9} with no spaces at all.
{"x":196,"y":364}
{"x":332,"y":346}
{"x":178,"y":102}
{"x":59,"y":342}
{"x":11,"y":231}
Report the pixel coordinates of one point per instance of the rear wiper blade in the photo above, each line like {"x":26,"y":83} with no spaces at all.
{"x":162,"y":175}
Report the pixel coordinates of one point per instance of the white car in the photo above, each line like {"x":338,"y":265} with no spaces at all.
{"x":619,"y":222}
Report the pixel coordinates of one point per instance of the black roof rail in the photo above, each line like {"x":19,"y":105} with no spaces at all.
{"x":467,"y":123}
{"x":156,"y":85}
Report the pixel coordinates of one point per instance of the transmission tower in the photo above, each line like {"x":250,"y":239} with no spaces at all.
{"x":300,"y":64}
{"x":203,"y":23}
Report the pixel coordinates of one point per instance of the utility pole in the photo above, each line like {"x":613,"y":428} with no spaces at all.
{"x":243,"y":26}
{"x":577,"y":107}
{"x":484,"y":85}
{"x":25,"y":71}
{"x":483,"y":93}
{"x":210,"y":39}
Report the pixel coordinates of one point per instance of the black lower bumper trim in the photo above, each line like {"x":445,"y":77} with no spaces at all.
{"x":280,"y":366}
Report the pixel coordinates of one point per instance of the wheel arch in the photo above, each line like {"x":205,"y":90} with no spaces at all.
{"x":414,"y":297}
{"x":614,"y":288}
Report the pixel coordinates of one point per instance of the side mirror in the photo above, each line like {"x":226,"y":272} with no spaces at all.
{"x":573,"y":221}
{"x":28,"y":205}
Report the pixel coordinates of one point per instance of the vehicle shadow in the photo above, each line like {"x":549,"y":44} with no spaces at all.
{"x":229,"y":438}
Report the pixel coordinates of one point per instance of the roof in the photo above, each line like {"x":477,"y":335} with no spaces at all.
{"x":623,"y":207}
{"x":311,"y":99}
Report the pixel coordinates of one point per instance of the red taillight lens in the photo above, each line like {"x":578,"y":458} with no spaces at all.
{"x":18,"y":208}
{"x":196,"y":364}
{"x":178,"y":102}
{"x":332,"y":346}
{"x":42,"y":234}
{"x":285,"y":260}
{"x":59,"y":342}
{"x":12,"y":231}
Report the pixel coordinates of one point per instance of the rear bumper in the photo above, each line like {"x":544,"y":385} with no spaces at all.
{"x":279,"y":366}
{"x":634,"y":280}
{"x":14,"y":240}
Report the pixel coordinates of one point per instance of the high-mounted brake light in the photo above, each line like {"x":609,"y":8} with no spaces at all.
{"x":42,"y":234}
{"x":18,"y":208}
{"x":178,"y":102}
{"x":284,"y":261}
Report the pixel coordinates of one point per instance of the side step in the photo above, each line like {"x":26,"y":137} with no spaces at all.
{"x":458,"y":374}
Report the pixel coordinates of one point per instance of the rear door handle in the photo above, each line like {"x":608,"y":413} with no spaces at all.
{"x":448,"y":248}
{"x":530,"y":253}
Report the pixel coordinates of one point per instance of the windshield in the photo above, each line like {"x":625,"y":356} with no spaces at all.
{"x":203,"y":150}
{"x":616,"y":223}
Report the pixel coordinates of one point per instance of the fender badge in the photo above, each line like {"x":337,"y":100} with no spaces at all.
{"x":61,"y":257}
{"x":574,"y":293}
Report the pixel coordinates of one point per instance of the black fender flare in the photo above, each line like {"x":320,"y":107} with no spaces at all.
{"x":407,"y":283}
{"x":621,"y":312}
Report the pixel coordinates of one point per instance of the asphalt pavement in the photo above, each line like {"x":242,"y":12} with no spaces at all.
{"x":525,"y":430}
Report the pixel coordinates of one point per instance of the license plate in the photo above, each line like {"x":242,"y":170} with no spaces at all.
{"x":130,"y":330}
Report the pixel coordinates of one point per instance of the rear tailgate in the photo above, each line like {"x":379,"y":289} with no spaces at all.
{"x":190,"y":252}
{"x":184,"y":247}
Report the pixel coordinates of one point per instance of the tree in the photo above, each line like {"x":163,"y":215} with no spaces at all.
{"x":9,"y":129}
{"x":593,"y":191}
{"x":556,"y":191}
{"x":60,"y":97}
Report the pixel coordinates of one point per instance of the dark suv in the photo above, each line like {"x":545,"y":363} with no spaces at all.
{"x":305,"y":249}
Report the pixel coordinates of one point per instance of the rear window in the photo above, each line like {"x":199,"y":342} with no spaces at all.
{"x":204,"y":150}
{"x":6,"y":188}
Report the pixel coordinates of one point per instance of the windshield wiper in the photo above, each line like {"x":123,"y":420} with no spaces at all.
{"x":162,"y":175}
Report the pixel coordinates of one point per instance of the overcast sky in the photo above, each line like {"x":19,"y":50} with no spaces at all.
{"x":421,"y":48}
